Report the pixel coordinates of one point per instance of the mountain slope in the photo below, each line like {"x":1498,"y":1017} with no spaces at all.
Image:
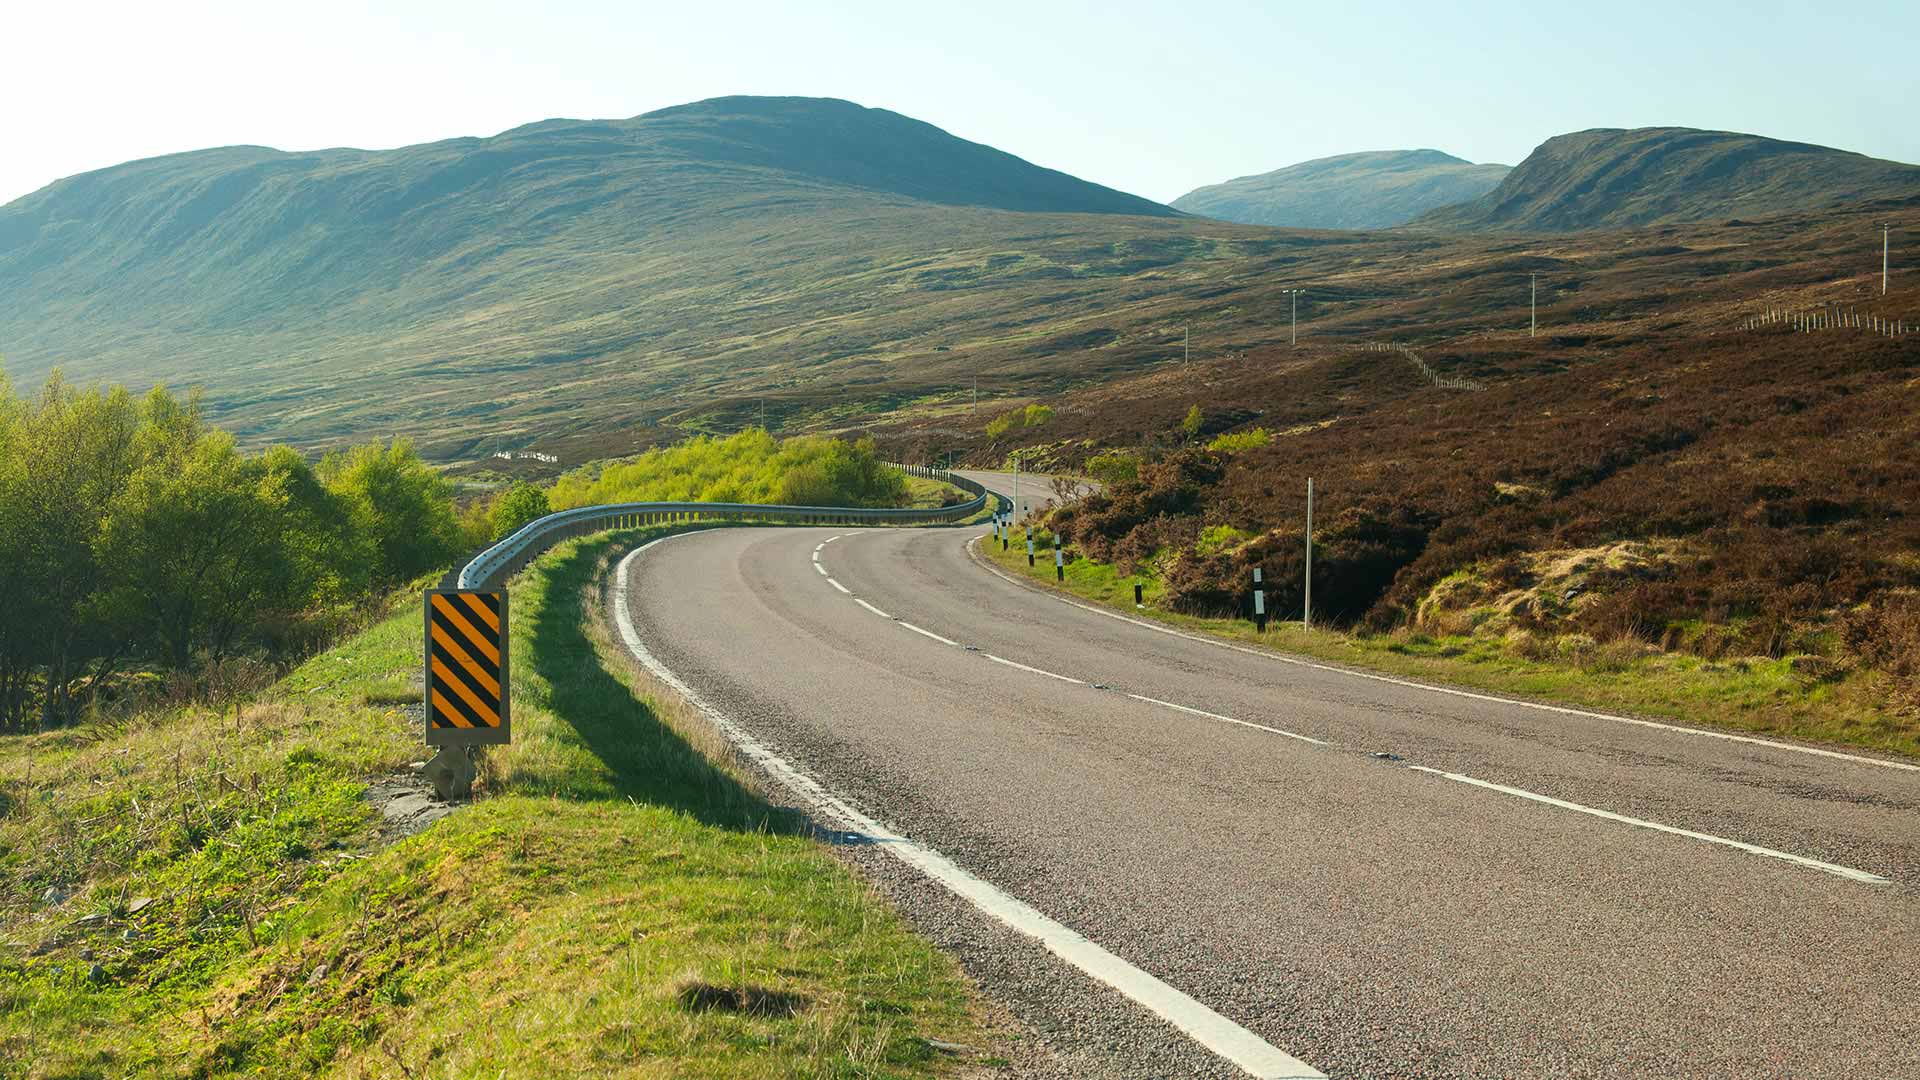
{"x":325,"y":293}
{"x":1621,"y":178}
{"x":1373,"y":190}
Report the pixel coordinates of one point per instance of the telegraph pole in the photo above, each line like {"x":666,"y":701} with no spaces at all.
{"x":1533,"y":305}
{"x":1186,"y":345}
{"x":1293,"y":336}
{"x":1885,"y":229}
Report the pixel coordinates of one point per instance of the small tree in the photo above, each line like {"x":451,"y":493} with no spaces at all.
{"x":516,"y":506}
{"x":1191,"y":425}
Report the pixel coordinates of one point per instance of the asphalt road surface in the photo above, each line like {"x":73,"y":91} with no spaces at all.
{"x":1512,"y":891}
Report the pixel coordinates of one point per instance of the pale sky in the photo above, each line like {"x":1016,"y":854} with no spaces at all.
{"x":1154,"y":99}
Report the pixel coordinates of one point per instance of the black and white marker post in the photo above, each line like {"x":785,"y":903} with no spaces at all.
{"x":1059,"y":560}
{"x":1137,"y":589}
{"x":1259,"y":603}
{"x":1029,"y":543}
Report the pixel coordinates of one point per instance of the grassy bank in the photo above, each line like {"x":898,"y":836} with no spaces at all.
{"x":611,"y":904}
{"x":1759,"y":695}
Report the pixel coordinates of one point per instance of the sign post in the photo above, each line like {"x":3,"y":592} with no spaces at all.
{"x":464,"y":681}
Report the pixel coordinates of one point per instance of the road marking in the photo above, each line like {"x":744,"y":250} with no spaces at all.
{"x":1228,"y":719}
{"x":1843,"y":871}
{"x":928,"y":633}
{"x":871,"y":608}
{"x":1208,"y":1028}
{"x":822,"y":569}
{"x":816,"y":555}
{"x":830,"y":539}
{"x":1035,"y":670}
{"x":839,"y":586}
{"x":1561,"y":709}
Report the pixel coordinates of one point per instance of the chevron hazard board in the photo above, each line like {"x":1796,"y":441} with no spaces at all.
{"x":466,"y":667}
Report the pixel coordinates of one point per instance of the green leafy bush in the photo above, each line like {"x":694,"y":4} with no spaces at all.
{"x":751,"y":467}
{"x":133,"y":534}
{"x":1240,"y":440}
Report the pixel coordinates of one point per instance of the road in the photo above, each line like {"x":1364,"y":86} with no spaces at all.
{"x":1511,"y":891}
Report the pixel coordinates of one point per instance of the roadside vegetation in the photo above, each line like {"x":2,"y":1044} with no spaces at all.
{"x":197,"y":891}
{"x":1731,"y":508}
{"x":750,"y":467}
{"x":142,"y":553}
{"x":1474,"y":631}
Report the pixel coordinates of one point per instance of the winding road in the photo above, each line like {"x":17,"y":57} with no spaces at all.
{"x":1174,"y":857}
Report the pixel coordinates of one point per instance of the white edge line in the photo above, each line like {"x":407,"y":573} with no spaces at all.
{"x":822,"y":569}
{"x":1200,"y":1023}
{"x":1034,"y":670}
{"x":1561,"y":709}
{"x":871,"y":608}
{"x":1228,"y":719}
{"x":839,"y":586}
{"x":816,"y":554}
{"x":1755,"y":849}
{"x":831,"y":539}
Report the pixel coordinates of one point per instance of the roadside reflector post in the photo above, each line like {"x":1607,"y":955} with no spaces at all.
{"x":464,"y":681}
{"x":1059,"y":560}
{"x":1259,"y":603}
{"x":1136,"y":596}
{"x":1029,"y":543}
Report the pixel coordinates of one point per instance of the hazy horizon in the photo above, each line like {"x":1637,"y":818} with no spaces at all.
{"x":1119,"y":95}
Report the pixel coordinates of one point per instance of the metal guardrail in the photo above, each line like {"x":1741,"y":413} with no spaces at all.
{"x":508,"y":556}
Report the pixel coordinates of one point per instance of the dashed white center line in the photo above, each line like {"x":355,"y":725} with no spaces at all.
{"x":1228,"y":719}
{"x":1218,"y":1034}
{"x":1799,"y":860}
{"x":822,"y":569}
{"x":1034,"y":670}
{"x":928,"y":633}
{"x":839,"y":586}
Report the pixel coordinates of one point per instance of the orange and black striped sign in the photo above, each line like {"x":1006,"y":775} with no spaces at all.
{"x":466,"y":676}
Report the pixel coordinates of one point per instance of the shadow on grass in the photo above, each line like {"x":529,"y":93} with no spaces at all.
{"x":646,"y":760}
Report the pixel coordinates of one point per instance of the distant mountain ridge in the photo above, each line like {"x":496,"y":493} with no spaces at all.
{"x":1372,"y":190}
{"x":448,"y":284}
{"x":1609,"y":178}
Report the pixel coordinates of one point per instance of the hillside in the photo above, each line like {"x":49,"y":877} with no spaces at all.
{"x":326,"y":292}
{"x":1374,"y":190}
{"x":1611,"y":178}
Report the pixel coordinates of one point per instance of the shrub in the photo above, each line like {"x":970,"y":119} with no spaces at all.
{"x":751,"y":467}
{"x":1114,"y":467}
{"x":518,"y":505}
{"x":1240,"y":440}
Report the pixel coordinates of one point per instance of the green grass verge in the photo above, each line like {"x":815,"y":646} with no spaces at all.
{"x":1759,"y":695}
{"x":613,"y":903}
